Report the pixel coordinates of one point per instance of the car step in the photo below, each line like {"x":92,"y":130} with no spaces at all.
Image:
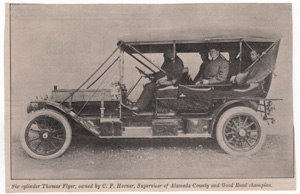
{"x":87,"y":124}
{"x":137,"y":131}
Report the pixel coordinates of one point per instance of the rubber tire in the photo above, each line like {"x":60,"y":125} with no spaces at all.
{"x":54,"y":114}
{"x":229,"y":113}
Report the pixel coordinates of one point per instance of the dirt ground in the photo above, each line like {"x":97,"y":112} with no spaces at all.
{"x":91,"y":158}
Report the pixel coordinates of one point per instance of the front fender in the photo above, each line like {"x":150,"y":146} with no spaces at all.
{"x":69,"y":113}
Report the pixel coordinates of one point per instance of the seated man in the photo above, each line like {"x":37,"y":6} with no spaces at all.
{"x":240,"y":77}
{"x":216,"y":71}
{"x":173,"y":67}
{"x":185,"y":78}
{"x":205,"y":61}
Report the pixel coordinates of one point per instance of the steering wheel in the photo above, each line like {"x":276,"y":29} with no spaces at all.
{"x":145,"y":74}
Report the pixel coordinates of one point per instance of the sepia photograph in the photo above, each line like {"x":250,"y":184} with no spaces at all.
{"x":149,"y":97}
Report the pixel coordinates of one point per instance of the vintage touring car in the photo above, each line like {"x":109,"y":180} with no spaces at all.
{"x":233,"y":114}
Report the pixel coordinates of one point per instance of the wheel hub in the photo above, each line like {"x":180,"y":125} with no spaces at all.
{"x":45,"y":135}
{"x":242,"y":132}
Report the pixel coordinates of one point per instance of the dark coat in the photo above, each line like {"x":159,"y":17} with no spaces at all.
{"x":201,"y":71}
{"x":173,"y":71}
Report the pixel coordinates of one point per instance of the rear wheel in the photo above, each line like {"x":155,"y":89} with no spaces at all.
{"x":240,"y":131}
{"x":46,"y":134}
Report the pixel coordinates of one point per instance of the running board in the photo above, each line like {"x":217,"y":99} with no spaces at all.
{"x":147,"y":132}
{"x":156,"y":137}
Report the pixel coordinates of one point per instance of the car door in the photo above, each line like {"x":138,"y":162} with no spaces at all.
{"x":166,"y":99}
{"x":194,"y":99}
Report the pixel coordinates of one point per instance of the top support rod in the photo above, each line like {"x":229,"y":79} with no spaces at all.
{"x":147,"y":59}
{"x":260,"y":57}
{"x":241,"y":54}
{"x":90,"y":76}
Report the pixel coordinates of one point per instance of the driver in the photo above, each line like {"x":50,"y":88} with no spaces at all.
{"x":173,"y":67}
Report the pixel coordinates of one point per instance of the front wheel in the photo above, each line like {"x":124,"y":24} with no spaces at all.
{"x":240,"y":131}
{"x":46,"y":134}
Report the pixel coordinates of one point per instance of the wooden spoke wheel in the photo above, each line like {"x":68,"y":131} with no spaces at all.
{"x":46,"y":134}
{"x":240,"y":131}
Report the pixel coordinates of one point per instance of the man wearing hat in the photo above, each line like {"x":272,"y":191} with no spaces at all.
{"x":173,"y":67}
{"x":217,"y":69}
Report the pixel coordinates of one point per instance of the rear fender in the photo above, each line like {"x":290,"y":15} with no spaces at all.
{"x":227,"y":105}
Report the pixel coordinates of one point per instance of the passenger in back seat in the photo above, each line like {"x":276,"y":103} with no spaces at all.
{"x":253,"y":56}
{"x":205,"y":61}
{"x":217,"y":70}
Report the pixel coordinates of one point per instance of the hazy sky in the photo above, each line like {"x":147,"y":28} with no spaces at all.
{"x":63,"y":44}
